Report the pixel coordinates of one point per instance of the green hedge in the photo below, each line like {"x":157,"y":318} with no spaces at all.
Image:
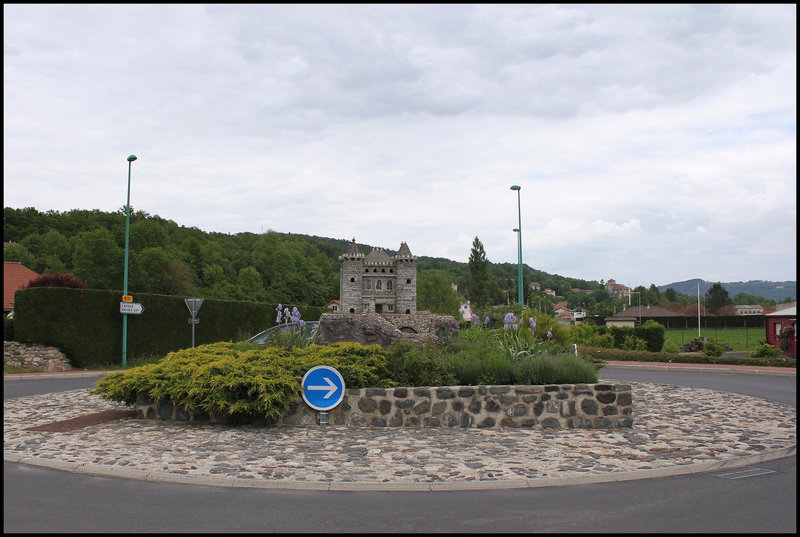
{"x":620,"y":355}
{"x":8,"y":329}
{"x":87,"y":326}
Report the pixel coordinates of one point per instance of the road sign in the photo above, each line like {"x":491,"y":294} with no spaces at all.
{"x":127,"y":298}
{"x":130,"y":308}
{"x":323,"y":388}
{"x":193,"y":304}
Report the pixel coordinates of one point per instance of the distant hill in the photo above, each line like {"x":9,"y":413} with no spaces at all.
{"x":776,"y":291}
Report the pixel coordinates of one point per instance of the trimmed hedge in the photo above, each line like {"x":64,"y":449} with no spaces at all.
{"x":620,"y":355}
{"x":87,"y":326}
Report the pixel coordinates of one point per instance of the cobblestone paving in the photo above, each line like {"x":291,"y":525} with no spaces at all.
{"x":673,"y":425}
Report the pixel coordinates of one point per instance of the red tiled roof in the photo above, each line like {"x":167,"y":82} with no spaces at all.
{"x":15,"y":276}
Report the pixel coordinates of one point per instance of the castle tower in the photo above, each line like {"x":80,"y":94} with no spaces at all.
{"x":350,"y":279}
{"x":406,"y":269}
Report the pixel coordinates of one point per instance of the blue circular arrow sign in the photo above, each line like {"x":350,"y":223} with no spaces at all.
{"x":323,"y":387}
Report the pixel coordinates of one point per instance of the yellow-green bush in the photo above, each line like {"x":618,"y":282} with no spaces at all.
{"x":243,"y":379}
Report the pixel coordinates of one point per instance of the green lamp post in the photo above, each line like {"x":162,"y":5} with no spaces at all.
{"x":519,"y":246}
{"x":125,"y":283}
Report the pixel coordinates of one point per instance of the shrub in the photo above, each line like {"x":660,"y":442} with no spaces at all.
{"x":713,"y":349}
{"x":765,"y":351}
{"x":8,"y":329}
{"x":56,"y":280}
{"x":555,"y":369}
{"x":671,"y":347}
{"x":418,"y":366}
{"x":241,"y":379}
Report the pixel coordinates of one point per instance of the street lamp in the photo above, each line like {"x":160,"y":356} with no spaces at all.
{"x":519,"y":246}
{"x":125,"y":284}
{"x":639,"y":298}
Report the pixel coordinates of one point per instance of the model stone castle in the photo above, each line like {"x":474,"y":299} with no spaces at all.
{"x":378,"y":283}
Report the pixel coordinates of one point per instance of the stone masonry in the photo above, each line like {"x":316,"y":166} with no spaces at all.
{"x":377,"y":282}
{"x":565,"y":406}
{"x":34,"y":356}
{"x":385,"y":329}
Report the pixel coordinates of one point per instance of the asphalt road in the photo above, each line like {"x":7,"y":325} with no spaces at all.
{"x":758,"y":499}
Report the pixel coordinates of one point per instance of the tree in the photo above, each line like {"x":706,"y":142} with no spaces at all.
{"x":20,"y":254}
{"x":97,"y":260}
{"x":653,"y":295}
{"x":56,"y":280}
{"x":478,"y":288}
{"x":716,"y":297}
{"x":251,"y":285}
{"x":150,"y":272}
{"x":671,"y":295}
{"x":435,"y":293}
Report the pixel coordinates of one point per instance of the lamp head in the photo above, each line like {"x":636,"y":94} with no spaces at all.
{"x":131,"y":158}
{"x":515,"y":230}
{"x":516,"y":187}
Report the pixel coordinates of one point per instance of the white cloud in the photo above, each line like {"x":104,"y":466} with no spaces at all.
{"x":629,"y":128}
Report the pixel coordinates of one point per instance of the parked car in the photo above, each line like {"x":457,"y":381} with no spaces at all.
{"x":309,"y":329}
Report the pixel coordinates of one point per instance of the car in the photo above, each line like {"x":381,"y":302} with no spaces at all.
{"x":309,"y":329}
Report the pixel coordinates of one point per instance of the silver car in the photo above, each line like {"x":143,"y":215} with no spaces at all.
{"x":309,"y":328}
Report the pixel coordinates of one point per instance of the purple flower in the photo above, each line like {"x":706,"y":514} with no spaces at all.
{"x":533,"y":323}
{"x":549,"y":334}
{"x":486,"y":321}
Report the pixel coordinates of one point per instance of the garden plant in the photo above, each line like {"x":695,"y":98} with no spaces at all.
{"x":249,"y":381}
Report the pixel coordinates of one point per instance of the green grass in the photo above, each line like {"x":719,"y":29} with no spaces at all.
{"x":738,"y":339}
{"x":16,"y":369}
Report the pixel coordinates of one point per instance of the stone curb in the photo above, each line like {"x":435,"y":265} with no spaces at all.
{"x":399,"y":486}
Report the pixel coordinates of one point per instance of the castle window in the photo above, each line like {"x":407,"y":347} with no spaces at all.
{"x":352,"y":310}
{"x":408,"y":280}
{"x":383,"y":270}
{"x":378,"y":284}
{"x":408,"y":312}
{"x":391,"y":308}
{"x":374,"y":270}
{"x":366,"y":270}
{"x":367,"y":284}
{"x":391,"y":271}
{"x":389,"y":285}
{"x":352,"y":280}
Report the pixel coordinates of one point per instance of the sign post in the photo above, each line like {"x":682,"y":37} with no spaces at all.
{"x":323,"y":389}
{"x":194,"y":306}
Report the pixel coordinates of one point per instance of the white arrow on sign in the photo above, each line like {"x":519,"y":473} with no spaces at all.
{"x":331,"y":387}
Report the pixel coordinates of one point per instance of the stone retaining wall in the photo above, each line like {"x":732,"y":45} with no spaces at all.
{"x":563,"y":406}
{"x":34,"y":356}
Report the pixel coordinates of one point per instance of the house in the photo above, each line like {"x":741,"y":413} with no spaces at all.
{"x":637,"y":314}
{"x":15,"y":276}
{"x":782,"y":321}
{"x":616,"y":290}
{"x":333,"y":305}
{"x":749,"y":309}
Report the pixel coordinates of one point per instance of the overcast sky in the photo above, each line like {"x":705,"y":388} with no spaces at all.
{"x":653,"y":143}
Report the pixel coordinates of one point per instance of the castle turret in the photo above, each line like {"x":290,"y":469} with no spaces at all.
{"x":350,"y":279}
{"x":406,"y":269}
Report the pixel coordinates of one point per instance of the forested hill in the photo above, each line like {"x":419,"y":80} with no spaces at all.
{"x":777,"y":291}
{"x":169,"y":258}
